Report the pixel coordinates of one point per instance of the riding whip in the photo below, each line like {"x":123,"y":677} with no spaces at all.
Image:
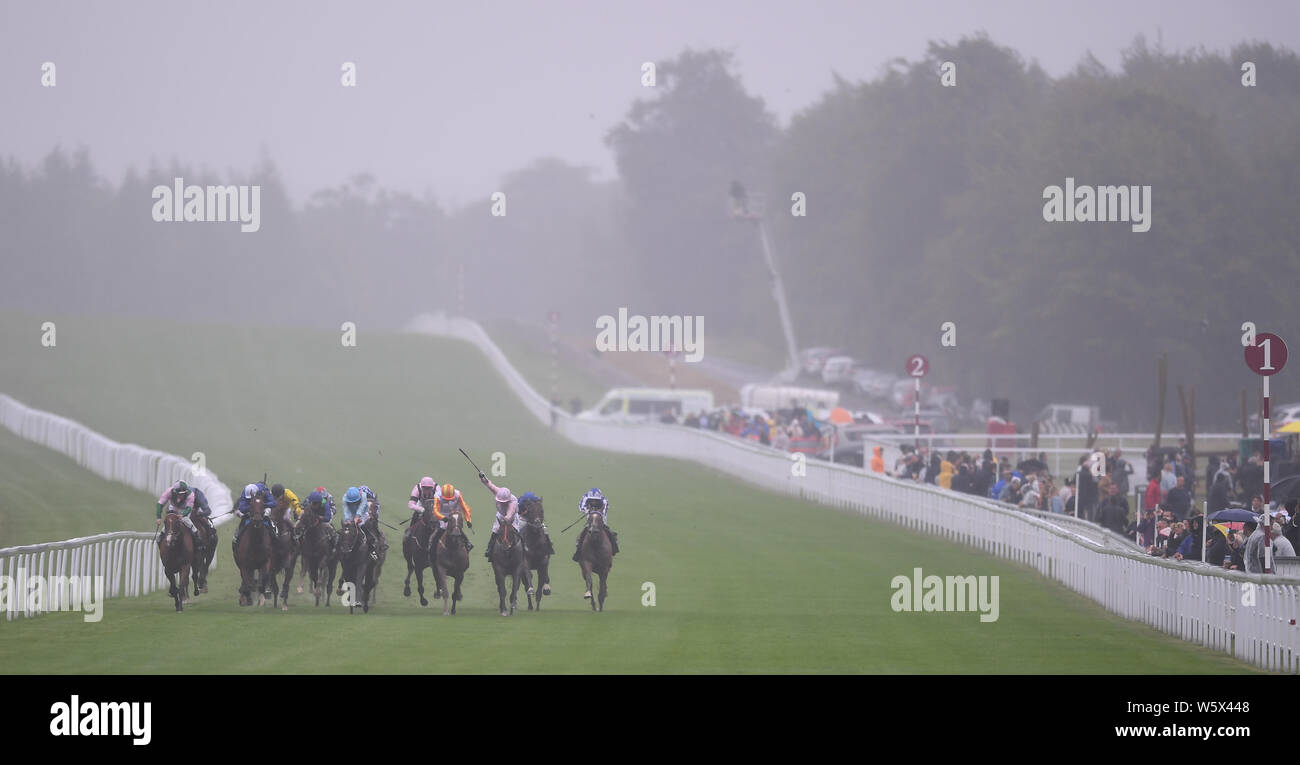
{"x":476,"y":468}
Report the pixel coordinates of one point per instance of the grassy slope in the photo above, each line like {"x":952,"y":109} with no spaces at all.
{"x":746,"y":581}
{"x":47,"y":497}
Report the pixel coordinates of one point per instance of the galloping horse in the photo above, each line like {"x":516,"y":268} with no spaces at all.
{"x":597,"y":554}
{"x":415,"y":548}
{"x":508,"y":561}
{"x":536,"y":555}
{"x":358,"y":567}
{"x":253,"y":555}
{"x":381,"y":550}
{"x":284,"y":557}
{"x":176,"y":550}
{"x":318,"y":558}
{"x":205,"y":554}
{"x":451,"y":558}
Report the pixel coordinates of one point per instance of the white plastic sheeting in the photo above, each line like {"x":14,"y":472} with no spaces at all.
{"x":1250,"y":616}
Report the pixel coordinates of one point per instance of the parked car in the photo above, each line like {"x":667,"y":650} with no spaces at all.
{"x":838,"y":370}
{"x":870,"y":382}
{"x":813,"y":359}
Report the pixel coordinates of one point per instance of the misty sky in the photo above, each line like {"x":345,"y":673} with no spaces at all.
{"x":451,"y":95}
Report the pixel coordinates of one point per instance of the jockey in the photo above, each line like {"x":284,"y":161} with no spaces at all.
{"x":287,"y":508}
{"x":253,"y":491}
{"x":356,"y":510}
{"x":426,"y":489}
{"x":180,"y":499}
{"x":595,"y":502}
{"x":321,"y":502}
{"x":446,"y":503}
{"x":525,"y":501}
{"x":507,"y":511}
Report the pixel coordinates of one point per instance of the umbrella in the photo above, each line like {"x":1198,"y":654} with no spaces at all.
{"x":1290,"y":427}
{"x":1285,"y":490}
{"x":841,"y":416}
{"x":1234,"y":514}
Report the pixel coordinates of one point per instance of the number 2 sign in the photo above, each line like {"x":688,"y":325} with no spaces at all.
{"x":917,"y":365}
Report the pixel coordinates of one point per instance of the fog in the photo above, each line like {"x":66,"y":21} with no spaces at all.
{"x":377,"y":135}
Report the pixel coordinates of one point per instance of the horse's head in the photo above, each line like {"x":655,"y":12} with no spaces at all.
{"x":348,"y":539}
{"x":172,"y":525}
{"x":595,"y":520}
{"x":455,"y":524}
{"x":257,"y":509}
{"x":530,"y":509}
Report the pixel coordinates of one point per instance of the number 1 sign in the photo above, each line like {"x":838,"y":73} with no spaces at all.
{"x":1267,"y":356}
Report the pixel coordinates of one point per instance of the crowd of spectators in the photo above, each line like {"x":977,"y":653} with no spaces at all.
{"x":1170,"y":525}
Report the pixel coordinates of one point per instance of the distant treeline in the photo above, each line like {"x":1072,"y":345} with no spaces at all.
{"x":924,"y":204}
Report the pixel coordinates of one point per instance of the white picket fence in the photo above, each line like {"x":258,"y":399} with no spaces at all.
{"x":128,"y":560}
{"x":1250,"y":616}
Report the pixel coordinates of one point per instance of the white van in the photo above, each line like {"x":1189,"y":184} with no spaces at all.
{"x":648,"y":404}
{"x":774,"y":397}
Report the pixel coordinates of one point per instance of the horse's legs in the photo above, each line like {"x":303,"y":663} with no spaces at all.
{"x":288,"y":577}
{"x":586,"y":577}
{"x":514,"y":591}
{"x":501,"y":588}
{"x":457,"y":595}
{"x":603,"y":590}
{"x":419,"y":584}
{"x":544,"y":578}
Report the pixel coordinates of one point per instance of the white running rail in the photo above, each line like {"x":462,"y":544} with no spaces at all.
{"x":128,"y":560}
{"x":1250,"y":616}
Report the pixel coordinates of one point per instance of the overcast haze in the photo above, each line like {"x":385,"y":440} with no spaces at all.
{"x":451,"y":96}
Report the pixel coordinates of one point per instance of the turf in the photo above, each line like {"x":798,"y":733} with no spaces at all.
{"x":745,"y":581}
{"x":47,"y":496}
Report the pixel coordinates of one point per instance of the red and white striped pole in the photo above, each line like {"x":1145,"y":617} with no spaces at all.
{"x":1268,"y":519}
{"x":916,"y":409}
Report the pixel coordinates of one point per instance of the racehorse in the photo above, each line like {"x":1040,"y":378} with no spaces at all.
{"x":536,"y":554}
{"x":318,"y":557}
{"x":205,"y":554}
{"x":451,"y":558}
{"x":380,"y":548}
{"x":358,"y":567}
{"x":284,"y":558}
{"x":508,"y":561}
{"x":253,"y":555}
{"x":597,"y":554}
{"x":176,"y":550}
{"x":415,"y":548}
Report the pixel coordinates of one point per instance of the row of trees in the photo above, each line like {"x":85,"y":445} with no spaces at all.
{"x":924,"y":205}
